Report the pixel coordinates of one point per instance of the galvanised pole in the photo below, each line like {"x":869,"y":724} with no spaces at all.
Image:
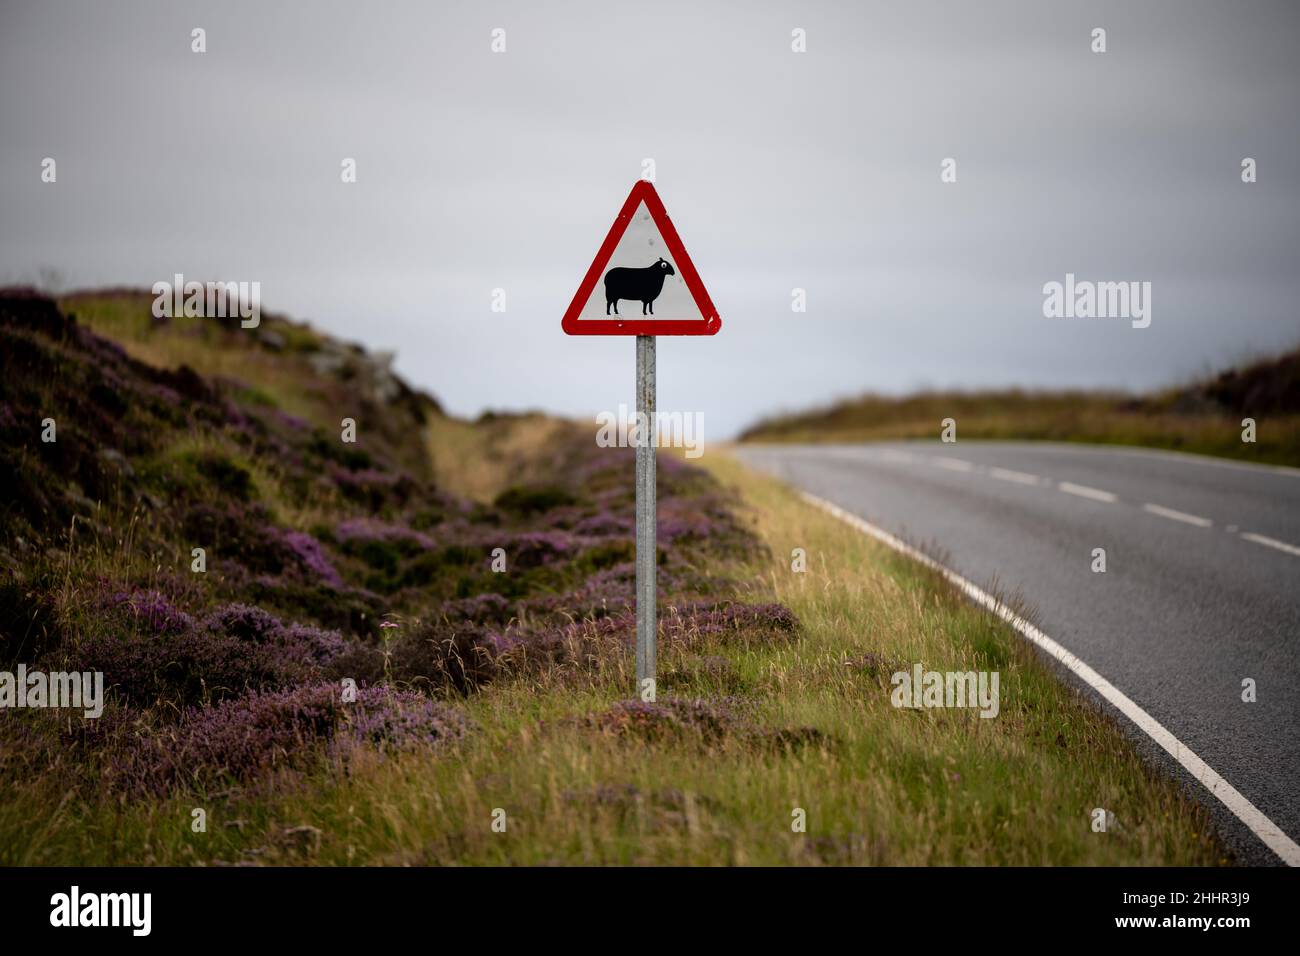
{"x":646,"y":511}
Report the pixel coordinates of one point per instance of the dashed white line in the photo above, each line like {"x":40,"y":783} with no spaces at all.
{"x":1271,"y":543}
{"x":1245,"y":811}
{"x":1083,"y":491}
{"x":1019,"y":477}
{"x":1173,"y":515}
{"x":954,"y":464}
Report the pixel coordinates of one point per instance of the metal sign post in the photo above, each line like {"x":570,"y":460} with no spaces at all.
{"x":647,"y":551}
{"x":643,"y":262}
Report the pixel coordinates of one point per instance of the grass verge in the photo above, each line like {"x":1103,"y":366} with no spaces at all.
{"x":746,"y":733}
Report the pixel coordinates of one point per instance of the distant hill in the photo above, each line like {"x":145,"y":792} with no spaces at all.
{"x":1204,"y":417}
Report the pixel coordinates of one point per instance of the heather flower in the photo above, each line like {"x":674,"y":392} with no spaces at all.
{"x":729,"y":618}
{"x":234,"y":648}
{"x":373,"y":487}
{"x":257,"y":733}
{"x":314,"y":644}
{"x":502,"y":643}
{"x":670,"y":466}
{"x":605,"y":525}
{"x":536,"y":548}
{"x":699,"y":519}
{"x":368,"y":477}
{"x":290,"y":421}
{"x":597,"y":635}
{"x":563,"y":517}
{"x":246,"y":622}
{"x":308,"y":552}
{"x":152,"y":611}
{"x":298,"y":641}
{"x":481,"y":609}
{"x":185,"y":667}
{"x":395,"y":719}
{"x":242,"y":532}
{"x":611,"y":589}
{"x":362,"y":530}
{"x":261,"y":675}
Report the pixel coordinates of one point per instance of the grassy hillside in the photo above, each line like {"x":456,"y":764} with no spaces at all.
{"x":325,"y":559}
{"x":1204,"y":417}
{"x":484,"y":696}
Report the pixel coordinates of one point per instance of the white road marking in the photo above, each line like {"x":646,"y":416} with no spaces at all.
{"x":1019,"y":477}
{"x":1083,"y":491}
{"x":1271,"y":542}
{"x":954,"y":464}
{"x":1245,"y":811}
{"x":1178,"y":515}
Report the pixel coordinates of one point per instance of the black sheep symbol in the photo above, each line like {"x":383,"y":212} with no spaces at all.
{"x":643,"y":285}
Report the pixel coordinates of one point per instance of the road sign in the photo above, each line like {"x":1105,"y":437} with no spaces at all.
{"x":642,"y":282}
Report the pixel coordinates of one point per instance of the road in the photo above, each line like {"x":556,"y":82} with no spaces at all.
{"x":1201,"y":588}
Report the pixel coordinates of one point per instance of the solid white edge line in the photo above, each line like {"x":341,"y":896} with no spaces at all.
{"x":1245,"y":811}
{"x":1271,"y":542}
{"x":1173,"y":515}
{"x":1083,"y":491}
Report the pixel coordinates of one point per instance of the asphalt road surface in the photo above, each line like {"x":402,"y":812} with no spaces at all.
{"x":1201,"y":588}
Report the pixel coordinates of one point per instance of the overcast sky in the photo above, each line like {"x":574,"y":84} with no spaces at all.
{"x":818,"y":170}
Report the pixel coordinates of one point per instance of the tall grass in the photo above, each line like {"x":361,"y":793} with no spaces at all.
{"x":800,"y":723}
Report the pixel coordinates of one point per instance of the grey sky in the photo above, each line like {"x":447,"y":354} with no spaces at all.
{"x":780,"y":170}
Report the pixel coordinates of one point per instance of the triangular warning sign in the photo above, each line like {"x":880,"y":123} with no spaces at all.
{"x":642,"y":282}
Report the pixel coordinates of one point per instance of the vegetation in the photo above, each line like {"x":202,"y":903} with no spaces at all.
{"x":483,"y":696}
{"x":1204,"y":418}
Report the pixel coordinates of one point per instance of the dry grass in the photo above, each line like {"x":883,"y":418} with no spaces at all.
{"x":811,"y":728}
{"x":209,"y":347}
{"x":1096,"y":418}
{"x":479,"y":460}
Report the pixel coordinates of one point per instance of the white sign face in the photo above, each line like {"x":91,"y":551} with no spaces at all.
{"x":642,"y":282}
{"x":641,"y":279}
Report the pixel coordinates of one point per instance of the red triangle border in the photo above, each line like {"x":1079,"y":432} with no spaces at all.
{"x":711,"y":322}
